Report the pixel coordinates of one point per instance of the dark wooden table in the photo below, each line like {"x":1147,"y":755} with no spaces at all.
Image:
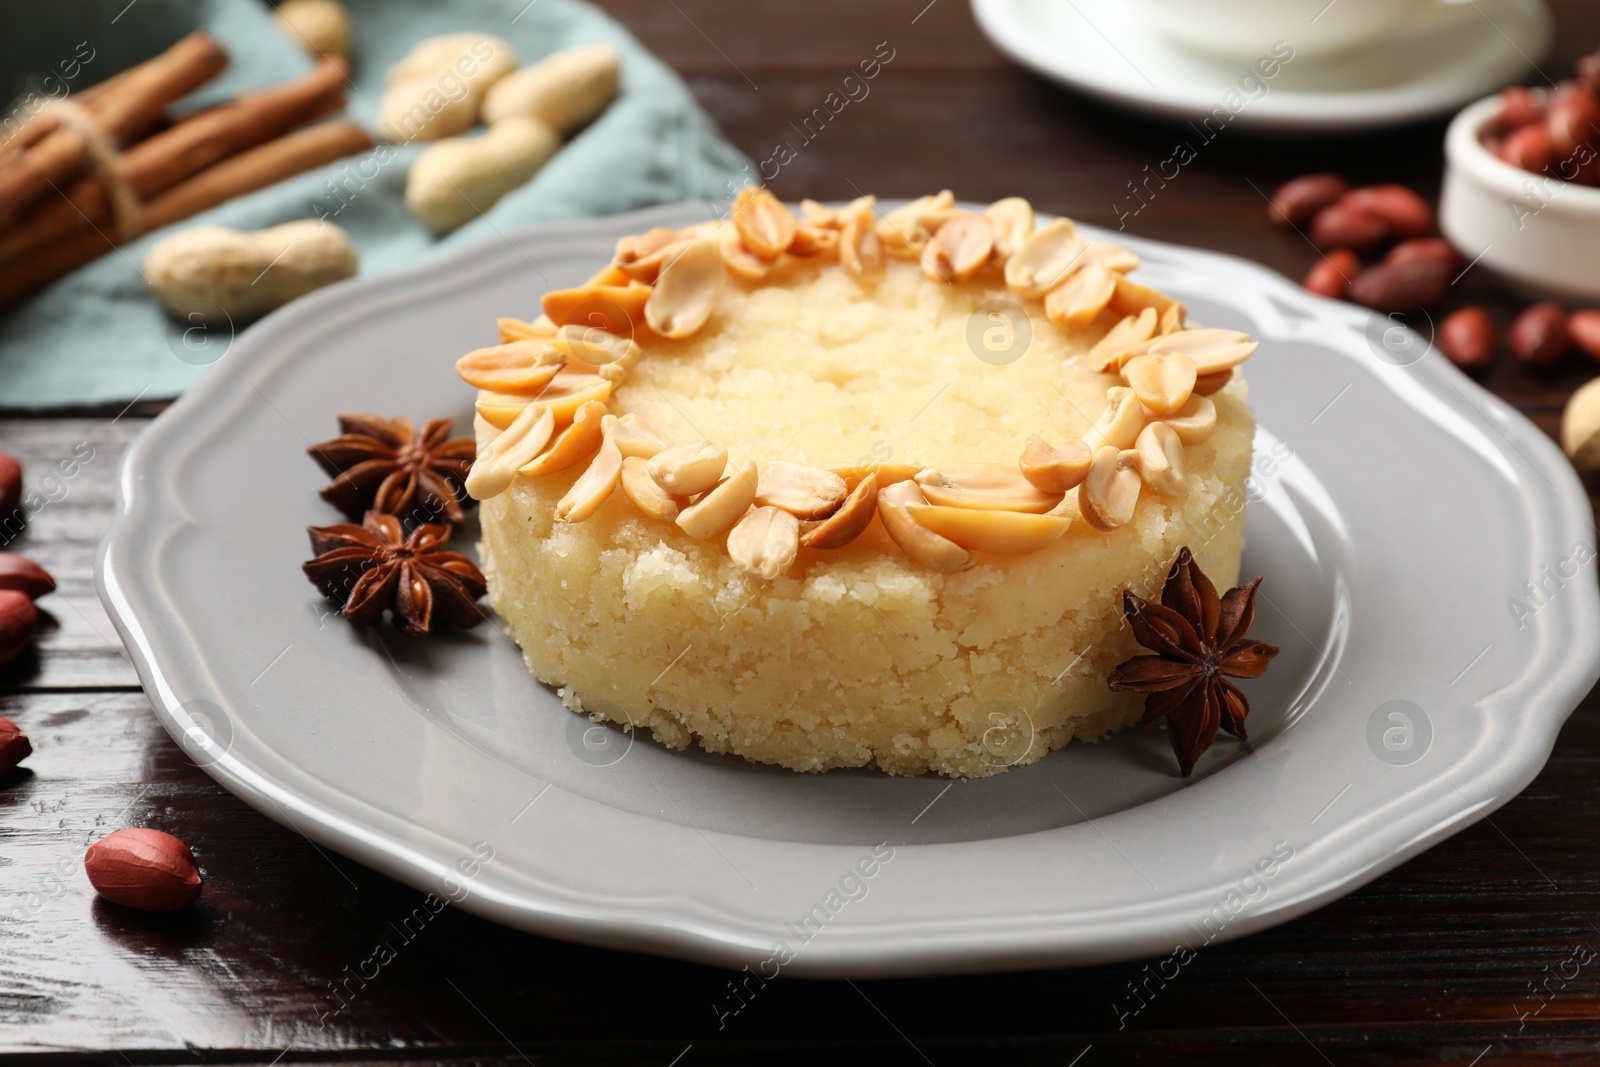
{"x":1433,"y":963}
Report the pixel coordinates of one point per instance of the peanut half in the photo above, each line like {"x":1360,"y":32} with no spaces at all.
{"x":765,"y":542}
{"x":722,"y":506}
{"x":1163,"y":384}
{"x":1055,"y":470}
{"x":1120,"y":423}
{"x":1212,"y":383}
{"x":1195,"y":421}
{"x":576,"y":442}
{"x":518,"y":367}
{"x":1122,"y":341}
{"x":959,"y":248}
{"x":686,"y":290}
{"x":1074,"y":303}
{"x":1110,"y":493}
{"x":637,"y":438}
{"x":540,"y":329}
{"x":906,"y":230}
{"x":595,"y":351}
{"x":1044,"y":259}
{"x":1213,"y":350}
{"x":860,"y":248}
{"x":1012,"y":219}
{"x":766,"y":226}
{"x":641,"y":257}
{"x":616,"y":309}
{"x":849,"y":521}
{"x":685,"y":470}
{"x":1112,"y":257}
{"x":739,"y":259}
{"x":986,"y":486}
{"x":1160,"y":458}
{"x":1005,"y":532}
{"x":498,"y":461}
{"x":1172,"y":319}
{"x":917,"y":541}
{"x":594,"y":486}
{"x":567,"y":392}
{"x":1131,"y":298}
{"x":646,"y":495}
{"x":802,"y":491}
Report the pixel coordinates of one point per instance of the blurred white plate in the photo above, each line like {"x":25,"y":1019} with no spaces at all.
{"x":1102,"y":47}
{"x":1396,"y":508}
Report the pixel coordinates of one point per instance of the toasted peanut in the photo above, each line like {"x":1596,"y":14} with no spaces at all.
{"x":887,"y":473}
{"x":1054,"y":470}
{"x":1159,"y":453}
{"x":765,"y":542}
{"x":686,"y":290}
{"x":764,"y":223}
{"x":1195,"y":421}
{"x":722,"y":506}
{"x":1006,"y":532}
{"x":802,"y":491}
{"x":1120,"y":423}
{"x":1110,"y":493}
{"x":575,"y":442}
{"x":497,"y":463}
{"x":1212,"y":383}
{"x":609,"y":275}
{"x":1074,"y":303}
{"x":640,"y":257}
{"x":685,"y":470}
{"x":819,"y":214}
{"x":596,"y":351}
{"x":739,"y":259}
{"x":615,"y":309}
{"x":917,"y":541}
{"x":990,"y":486}
{"x":906,"y":230}
{"x":1012,"y":219}
{"x":959,"y":248}
{"x":646,"y":495}
{"x":517,"y":367}
{"x":1045,"y":258}
{"x":1172,"y":319}
{"x":593,"y":487}
{"x":860,"y":248}
{"x":1163,"y":384}
{"x":813,"y":240}
{"x":635,"y":437}
{"x":567,"y":392}
{"x":849,"y":521}
{"x":1122,"y":341}
{"x":1132,"y":298}
{"x":539,"y":329}
{"x":1112,"y":257}
{"x":1213,"y":350}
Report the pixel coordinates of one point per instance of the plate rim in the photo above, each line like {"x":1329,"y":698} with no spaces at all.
{"x":697,"y":934}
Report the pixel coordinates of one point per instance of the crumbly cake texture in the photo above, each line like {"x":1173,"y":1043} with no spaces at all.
{"x":856,"y":655}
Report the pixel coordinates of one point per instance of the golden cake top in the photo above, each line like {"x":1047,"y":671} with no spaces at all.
{"x":550,"y":387}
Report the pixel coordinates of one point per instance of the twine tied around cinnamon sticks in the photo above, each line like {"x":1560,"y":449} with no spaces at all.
{"x":69,"y":195}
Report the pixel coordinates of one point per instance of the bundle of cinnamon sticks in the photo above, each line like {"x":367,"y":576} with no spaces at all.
{"x":103,"y":167}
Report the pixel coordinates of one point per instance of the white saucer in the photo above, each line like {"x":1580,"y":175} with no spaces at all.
{"x":1444,"y":61}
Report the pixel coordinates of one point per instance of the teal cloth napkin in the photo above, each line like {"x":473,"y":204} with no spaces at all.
{"x":97,"y":337}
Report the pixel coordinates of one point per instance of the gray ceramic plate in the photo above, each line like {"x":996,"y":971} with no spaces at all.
{"x":1398,"y":511}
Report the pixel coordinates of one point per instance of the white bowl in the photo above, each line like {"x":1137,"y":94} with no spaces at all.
{"x":1540,"y":233}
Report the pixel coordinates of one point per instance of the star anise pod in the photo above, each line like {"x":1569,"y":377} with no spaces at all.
{"x":380,"y":464}
{"x":377,"y":565}
{"x":1197,"y":639}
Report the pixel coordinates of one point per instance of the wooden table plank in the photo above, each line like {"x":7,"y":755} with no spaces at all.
{"x":1434,"y":962}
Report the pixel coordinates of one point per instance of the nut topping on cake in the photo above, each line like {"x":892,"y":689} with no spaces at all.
{"x":549,"y":384}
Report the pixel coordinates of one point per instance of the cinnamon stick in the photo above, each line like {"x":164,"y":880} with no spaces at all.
{"x":138,"y":101}
{"x":254,"y":169}
{"x":159,"y":162}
